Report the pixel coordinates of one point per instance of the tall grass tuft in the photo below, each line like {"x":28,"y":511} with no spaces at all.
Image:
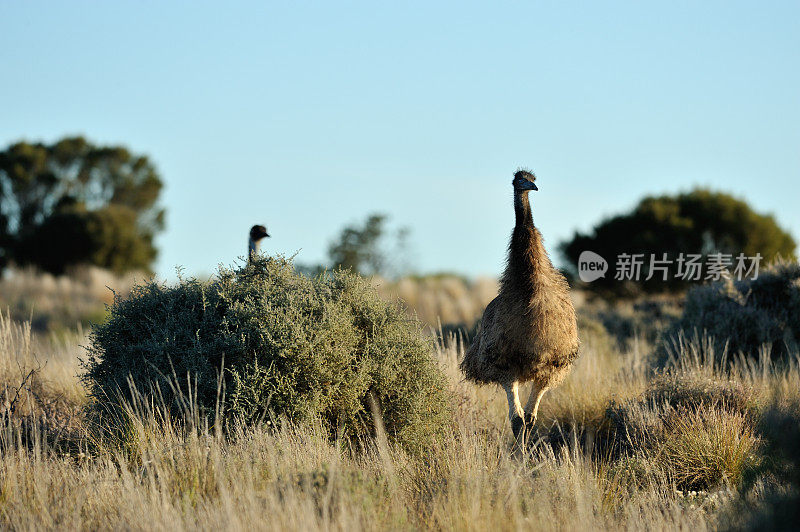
{"x":705,"y":446}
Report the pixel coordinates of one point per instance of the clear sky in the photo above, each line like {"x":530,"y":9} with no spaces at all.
{"x":309,"y":115}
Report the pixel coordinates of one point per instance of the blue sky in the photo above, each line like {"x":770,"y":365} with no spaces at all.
{"x":307,"y":115}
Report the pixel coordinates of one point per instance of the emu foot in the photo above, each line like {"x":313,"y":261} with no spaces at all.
{"x":522,"y":427}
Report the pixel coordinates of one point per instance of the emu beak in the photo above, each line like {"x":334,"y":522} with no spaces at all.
{"x":534,"y":187}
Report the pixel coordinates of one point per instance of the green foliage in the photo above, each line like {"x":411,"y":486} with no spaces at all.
{"x":73,"y":202}
{"x":357,"y":247}
{"x":363,"y":248}
{"x":293,"y":348}
{"x":700,"y":221}
{"x":747,"y":315}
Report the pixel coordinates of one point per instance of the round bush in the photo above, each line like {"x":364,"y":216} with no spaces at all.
{"x":287,"y":348}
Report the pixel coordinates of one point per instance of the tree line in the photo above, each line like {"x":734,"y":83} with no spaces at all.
{"x":74,"y":202}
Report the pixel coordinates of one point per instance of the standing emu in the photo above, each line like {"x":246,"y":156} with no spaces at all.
{"x":528,"y":332}
{"x":257,"y":233}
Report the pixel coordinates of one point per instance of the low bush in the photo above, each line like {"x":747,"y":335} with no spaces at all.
{"x":676,"y":390}
{"x":280,"y":346}
{"x":693,"y":389}
{"x":747,"y":315}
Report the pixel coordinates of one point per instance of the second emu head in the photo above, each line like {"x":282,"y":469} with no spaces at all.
{"x":524,"y":180}
{"x":257,"y":233}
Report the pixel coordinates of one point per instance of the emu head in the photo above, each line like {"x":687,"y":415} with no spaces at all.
{"x":257,"y":232}
{"x":524,"y":180}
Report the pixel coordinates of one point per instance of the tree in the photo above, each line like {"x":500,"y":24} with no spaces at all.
{"x":363,"y":248}
{"x":697,"y":222}
{"x":73,"y":202}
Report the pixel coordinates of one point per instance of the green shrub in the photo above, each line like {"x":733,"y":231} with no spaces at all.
{"x":746,"y":315}
{"x":699,"y":221}
{"x":293,"y":348}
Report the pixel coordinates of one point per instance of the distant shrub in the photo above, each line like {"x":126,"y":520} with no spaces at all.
{"x":748,"y":314}
{"x":293,"y":348}
{"x":73,"y":203}
{"x":629,"y":321}
{"x":593,"y":333}
{"x":700,"y":221}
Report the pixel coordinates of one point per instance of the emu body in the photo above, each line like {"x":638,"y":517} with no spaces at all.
{"x":528,"y":332}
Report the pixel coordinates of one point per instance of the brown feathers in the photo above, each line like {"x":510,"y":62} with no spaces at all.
{"x":528,"y":332}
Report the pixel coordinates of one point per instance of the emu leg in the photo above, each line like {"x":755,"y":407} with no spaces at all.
{"x":523,"y":420}
{"x":532,"y":406}
{"x":515,"y":411}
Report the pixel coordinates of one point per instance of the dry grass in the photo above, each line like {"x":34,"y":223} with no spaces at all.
{"x":623,"y":446}
{"x":61,"y":302}
{"x":706,"y":446}
{"x":441,"y":299}
{"x":38,"y":376}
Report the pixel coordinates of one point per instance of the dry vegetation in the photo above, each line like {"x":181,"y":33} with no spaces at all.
{"x":447,"y":300}
{"x":623,"y":444}
{"x":61,"y":302}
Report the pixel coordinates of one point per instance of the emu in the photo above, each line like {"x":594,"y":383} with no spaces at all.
{"x":257,"y":234}
{"x":528,"y":333}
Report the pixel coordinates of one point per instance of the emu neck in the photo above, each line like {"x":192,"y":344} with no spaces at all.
{"x":526,"y":255}
{"x":252,"y":249}
{"x":522,"y":208}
